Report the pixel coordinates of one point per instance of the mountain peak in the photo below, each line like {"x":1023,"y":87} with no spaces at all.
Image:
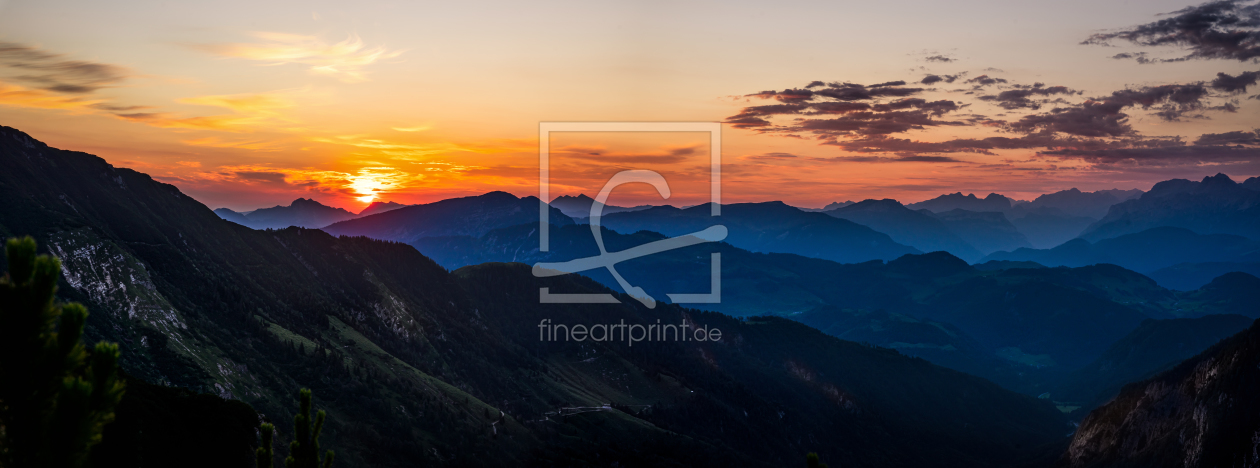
{"x":497,"y":195}
{"x":880,"y":204}
{"x":380,"y":207}
{"x":1218,"y":179}
{"x":306,"y":202}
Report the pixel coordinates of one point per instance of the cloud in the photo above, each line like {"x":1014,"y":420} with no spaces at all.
{"x":850,"y":109}
{"x":252,"y":145}
{"x":343,"y":60}
{"x":52,"y":72}
{"x":20,"y":96}
{"x":984,"y":80}
{"x":939,"y":58}
{"x":1228,"y":29}
{"x":365,"y":183}
{"x":871,"y":121}
{"x":933,"y":79}
{"x":909,"y":158}
{"x":1162,"y":156}
{"x":250,"y":103}
{"x":773,"y":157}
{"x":1235,"y":84}
{"x":1235,"y":137}
{"x":1103,"y":117}
{"x":1020,"y":97}
{"x":669,"y":155}
{"x":49,"y":81}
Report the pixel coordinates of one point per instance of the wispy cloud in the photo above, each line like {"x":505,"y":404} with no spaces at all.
{"x":364,"y":184}
{"x":1224,"y":29}
{"x":343,"y":60}
{"x":20,"y":96}
{"x":44,"y":70}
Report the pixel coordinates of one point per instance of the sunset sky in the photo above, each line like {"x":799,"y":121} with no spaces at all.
{"x":253,"y":104}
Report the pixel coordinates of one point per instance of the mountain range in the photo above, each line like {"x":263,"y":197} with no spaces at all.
{"x":467,"y":216}
{"x":416,"y":364}
{"x":969,"y":202}
{"x":917,"y":229}
{"x":418,"y":328}
{"x":1215,"y":205}
{"x":303,"y":212}
{"x":580,"y":206}
{"x":770,"y":227}
{"x":1146,"y":251}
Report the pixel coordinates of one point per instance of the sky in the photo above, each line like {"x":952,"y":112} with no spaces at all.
{"x":253,"y":104}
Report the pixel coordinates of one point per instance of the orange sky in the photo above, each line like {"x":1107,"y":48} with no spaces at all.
{"x":246,"y":105}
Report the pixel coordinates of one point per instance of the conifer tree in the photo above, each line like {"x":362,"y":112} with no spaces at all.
{"x":55,"y":396}
{"x":304,"y":450}
{"x":265,"y":454}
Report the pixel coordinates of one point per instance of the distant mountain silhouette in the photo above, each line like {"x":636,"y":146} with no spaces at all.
{"x":380,"y":207}
{"x":394,"y":344}
{"x":1066,"y":318}
{"x":1191,"y":276}
{"x":916,"y":229}
{"x":987,"y":231}
{"x":830,"y":206}
{"x":969,"y":202}
{"x":1156,"y":345}
{"x":233,"y":216}
{"x":1202,"y":413}
{"x":1144,"y":251}
{"x":1076,"y":203}
{"x":303,"y":212}
{"x":1046,"y":227}
{"x":467,"y":216}
{"x":1216,"y":205}
{"x":769,"y":227}
{"x":580,"y":206}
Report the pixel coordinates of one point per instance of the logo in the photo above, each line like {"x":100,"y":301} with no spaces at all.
{"x":609,"y":260}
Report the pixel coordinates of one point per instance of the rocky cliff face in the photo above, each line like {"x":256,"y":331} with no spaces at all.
{"x":1203,"y":413}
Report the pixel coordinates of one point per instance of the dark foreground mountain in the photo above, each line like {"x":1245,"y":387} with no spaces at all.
{"x":1216,"y":205}
{"x":1202,"y":413}
{"x":1145,"y":251}
{"x":417,"y":365}
{"x":913,"y":228}
{"x":303,"y":212}
{"x":1155,"y":346}
{"x":771,"y":227}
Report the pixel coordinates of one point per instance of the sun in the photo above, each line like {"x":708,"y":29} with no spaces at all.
{"x":370,"y":182}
